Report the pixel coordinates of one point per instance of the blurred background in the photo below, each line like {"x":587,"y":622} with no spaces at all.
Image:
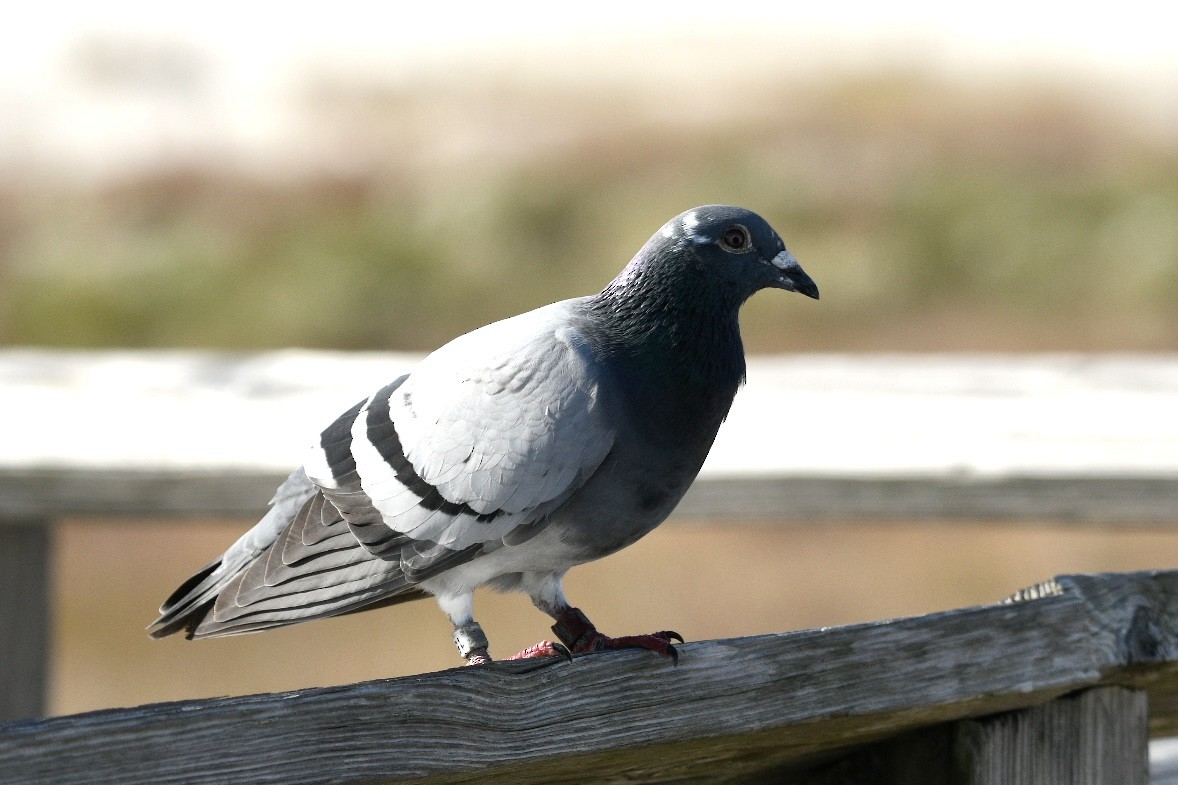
{"x":371,"y":177}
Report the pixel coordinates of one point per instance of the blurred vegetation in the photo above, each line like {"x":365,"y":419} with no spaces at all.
{"x":932,"y":216}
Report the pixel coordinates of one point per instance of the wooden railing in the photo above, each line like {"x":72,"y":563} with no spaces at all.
{"x":1066,"y":438}
{"x":1068,"y":683}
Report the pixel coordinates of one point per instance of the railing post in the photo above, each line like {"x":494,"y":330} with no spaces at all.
{"x":24,"y":616}
{"x":1094,"y":737}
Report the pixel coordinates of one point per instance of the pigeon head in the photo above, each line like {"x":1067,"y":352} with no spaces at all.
{"x":706,"y":260}
{"x":735,"y":248}
{"x":675,"y":304}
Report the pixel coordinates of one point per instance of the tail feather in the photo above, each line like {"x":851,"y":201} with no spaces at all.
{"x":292,"y":567}
{"x":265,"y":620}
{"x":228,"y":618}
{"x":186,"y":606}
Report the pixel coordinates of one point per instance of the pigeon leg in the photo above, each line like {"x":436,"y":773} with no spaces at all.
{"x":546,"y":592}
{"x":578,"y":633}
{"x":468,"y":635}
{"x":575,"y":630}
{"x":472,"y":643}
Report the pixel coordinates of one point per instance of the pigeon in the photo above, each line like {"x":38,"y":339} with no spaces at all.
{"x":511,"y":454}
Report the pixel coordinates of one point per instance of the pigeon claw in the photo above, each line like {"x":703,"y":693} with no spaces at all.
{"x":543,"y":649}
{"x":658,"y":642}
{"x":579,"y":634}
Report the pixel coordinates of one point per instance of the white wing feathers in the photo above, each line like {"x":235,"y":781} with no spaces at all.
{"x":490,"y":433}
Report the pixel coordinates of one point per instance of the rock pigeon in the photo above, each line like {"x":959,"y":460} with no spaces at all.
{"x":512,"y":453}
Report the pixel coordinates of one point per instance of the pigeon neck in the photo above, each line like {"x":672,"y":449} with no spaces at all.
{"x":678,"y":325}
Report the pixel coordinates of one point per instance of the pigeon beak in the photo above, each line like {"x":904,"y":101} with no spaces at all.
{"x":791,"y":276}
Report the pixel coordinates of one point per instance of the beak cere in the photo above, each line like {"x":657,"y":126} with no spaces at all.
{"x":791,"y":275}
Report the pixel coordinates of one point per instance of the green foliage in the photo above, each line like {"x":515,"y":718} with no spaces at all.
{"x":931,"y":219}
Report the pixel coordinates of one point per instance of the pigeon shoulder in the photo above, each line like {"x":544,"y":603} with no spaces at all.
{"x":488,"y":434}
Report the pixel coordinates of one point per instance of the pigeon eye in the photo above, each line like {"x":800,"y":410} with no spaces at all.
{"x":735,"y":238}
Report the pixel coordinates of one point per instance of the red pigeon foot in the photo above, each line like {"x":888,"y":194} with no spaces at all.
{"x":578,"y":633}
{"x":542,"y":649}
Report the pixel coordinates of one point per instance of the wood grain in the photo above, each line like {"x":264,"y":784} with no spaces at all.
{"x":1092,"y":737}
{"x":734,"y":709}
{"x":1095,"y":737}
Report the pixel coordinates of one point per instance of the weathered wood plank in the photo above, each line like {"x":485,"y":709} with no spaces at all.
{"x":740,"y":707}
{"x":1091,"y":737}
{"x":143,"y":492}
{"x":1088,"y":499}
{"x":923,"y":756}
{"x":1096,"y":737}
{"x":24,"y":617}
{"x":1106,"y":501}
{"x":831,"y":437}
